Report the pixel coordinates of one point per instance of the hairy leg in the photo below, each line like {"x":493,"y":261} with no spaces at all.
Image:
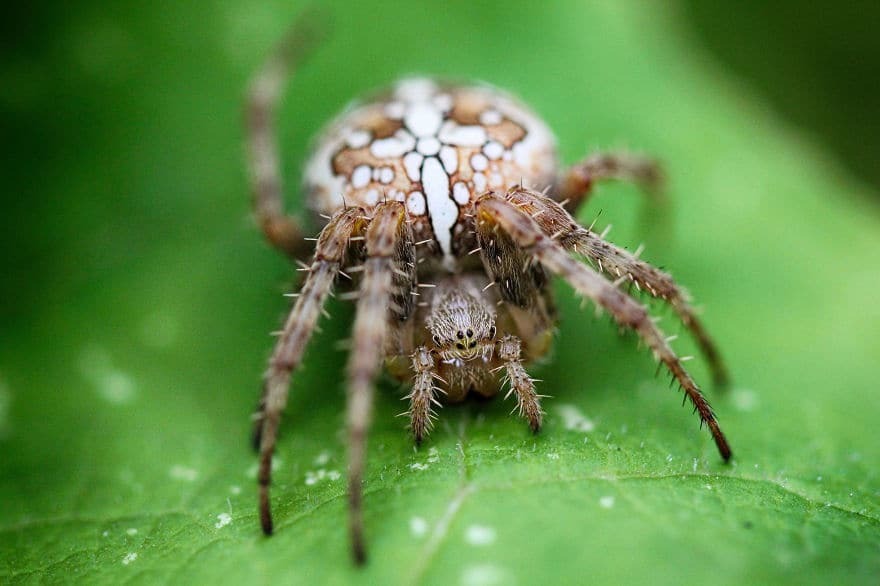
{"x":421,"y":398}
{"x":617,"y":263}
{"x":329,"y":253}
{"x":576,"y":185}
{"x":520,"y":281}
{"x":528,"y":401}
{"x":281,"y":230}
{"x":388,"y":241}
{"x":494,"y":214}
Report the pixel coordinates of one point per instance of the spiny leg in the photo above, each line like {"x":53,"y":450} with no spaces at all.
{"x":388,"y":241}
{"x":528,"y":401}
{"x":329,"y":252}
{"x":617,"y":263}
{"x":281,"y":230}
{"x":493,"y":213}
{"x":421,"y":398}
{"x":576,"y":185}
{"x":519,"y":280}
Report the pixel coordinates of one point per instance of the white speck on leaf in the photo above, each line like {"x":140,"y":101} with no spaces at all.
{"x":322,"y":459}
{"x":574,"y":420}
{"x":223,"y":519}
{"x":744,"y":399}
{"x":553,"y":456}
{"x":484,"y":575}
{"x":235,"y":489}
{"x":315,"y":476}
{"x":111,"y":384}
{"x":179,"y":472}
{"x":131,"y":531}
{"x":606,"y":502}
{"x":130,"y":557}
{"x":480,"y":535}
{"x":433,"y":458}
{"x":418,"y":527}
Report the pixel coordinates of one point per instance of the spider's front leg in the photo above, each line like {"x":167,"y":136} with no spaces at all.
{"x":264,"y":92}
{"x":521,"y":384}
{"x":329,"y":253}
{"x":498,"y":215}
{"x":388,"y":280}
{"x":422,"y":397}
{"x":576,"y":184}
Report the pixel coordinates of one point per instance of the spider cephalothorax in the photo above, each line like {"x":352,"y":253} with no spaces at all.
{"x":432,"y":216}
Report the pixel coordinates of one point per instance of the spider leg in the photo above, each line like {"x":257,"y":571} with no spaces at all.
{"x":617,"y":263}
{"x":494,"y":213}
{"x":388,"y":240}
{"x":519,"y":279}
{"x":284,"y":232}
{"x":576,"y":185}
{"x":329,"y":252}
{"x":528,"y":401}
{"x":421,"y":398}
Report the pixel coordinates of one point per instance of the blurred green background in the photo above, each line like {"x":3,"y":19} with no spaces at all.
{"x":137,"y":296}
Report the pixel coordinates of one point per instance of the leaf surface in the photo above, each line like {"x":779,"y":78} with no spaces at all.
{"x":128,"y":377}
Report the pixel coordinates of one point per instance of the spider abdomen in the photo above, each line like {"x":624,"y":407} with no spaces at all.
{"x":435,"y":148}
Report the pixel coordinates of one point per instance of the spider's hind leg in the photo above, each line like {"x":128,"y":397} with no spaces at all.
{"x":283,"y":231}
{"x":576,"y":184}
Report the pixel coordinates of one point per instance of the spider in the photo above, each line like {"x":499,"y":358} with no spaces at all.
{"x":431,"y":215}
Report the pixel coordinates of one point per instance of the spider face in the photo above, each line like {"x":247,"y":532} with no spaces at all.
{"x":434,"y":148}
{"x":435,"y":222}
{"x":462,"y":327}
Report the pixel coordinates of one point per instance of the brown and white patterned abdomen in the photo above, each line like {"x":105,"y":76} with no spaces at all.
{"x":434,"y":147}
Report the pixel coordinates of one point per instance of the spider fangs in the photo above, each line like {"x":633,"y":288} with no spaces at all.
{"x":429,"y":197}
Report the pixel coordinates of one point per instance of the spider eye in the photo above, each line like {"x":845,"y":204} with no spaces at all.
{"x":492,"y":332}
{"x":459,"y":345}
{"x":472,"y":344}
{"x":470,"y":333}
{"x":460,"y":335}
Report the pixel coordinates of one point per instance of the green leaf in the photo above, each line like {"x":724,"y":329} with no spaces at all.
{"x":131,"y":360}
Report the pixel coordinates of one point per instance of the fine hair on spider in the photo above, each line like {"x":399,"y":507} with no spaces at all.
{"x":428,"y":194}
